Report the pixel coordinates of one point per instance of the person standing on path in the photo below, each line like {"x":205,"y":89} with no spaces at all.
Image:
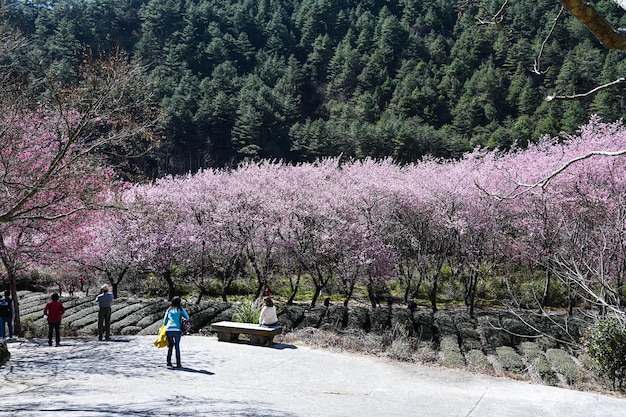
{"x":172,"y":322}
{"x":54,"y":311}
{"x":7,"y":314}
{"x":105,"y":300}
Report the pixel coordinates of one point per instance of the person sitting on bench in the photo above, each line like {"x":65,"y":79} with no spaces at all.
{"x":268,"y":315}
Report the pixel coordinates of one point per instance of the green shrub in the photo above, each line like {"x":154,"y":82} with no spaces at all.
{"x":249,"y":312}
{"x":564,"y":364}
{"x":452,"y":355}
{"x":605,"y":344}
{"x":31,"y":329}
{"x":240,"y":287}
{"x":533,"y":351}
{"x":401,"y":349}
{"x":152,"y":286}
{"x":477,"y":361}
{"x":509,"y":359}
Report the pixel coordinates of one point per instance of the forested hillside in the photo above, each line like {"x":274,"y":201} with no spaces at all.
{"x":296,"y":80}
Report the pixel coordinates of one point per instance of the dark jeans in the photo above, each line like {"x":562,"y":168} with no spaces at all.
{"x":10,"y":324}
{"x":8,"y":321}
{"x":173,"y":341}
{"x":104,"y":322}
{"x":57,"y":328}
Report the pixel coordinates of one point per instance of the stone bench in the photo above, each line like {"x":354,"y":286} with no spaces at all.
{"x":229,"y":331}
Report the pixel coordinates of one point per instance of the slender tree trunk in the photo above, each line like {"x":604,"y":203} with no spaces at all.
{"x":261,"y":281}
{"x":294,"y":289}
{"x":12,"y":279}
{"x":433,"y":294}
{"x":407,"y":278}
{"x":372,"y":295}
{"x":349,"y":293}
{"x":318,"y":291}
{"x":406,"y":294}
{"x":545,"y":298}
{"x":472,"y":294}
{"x":116,"y":283}
{"x":319,"y":283}
{"x":415,"y":293}
{"x":570,"y":299}
{"x":17,"y":324}
{"x":200,"y":294}
{"x":170,"y":284}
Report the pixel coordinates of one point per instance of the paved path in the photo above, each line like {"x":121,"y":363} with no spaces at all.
{"x":127,"y":377}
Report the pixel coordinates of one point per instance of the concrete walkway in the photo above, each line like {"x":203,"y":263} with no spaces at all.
{"x":127,"y":377}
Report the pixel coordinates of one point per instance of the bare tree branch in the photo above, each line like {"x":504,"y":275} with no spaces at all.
{"x":522,"y":188}
{"x":588,"y":93}
{"x":496,"y":18}
{"x":537,"y":64}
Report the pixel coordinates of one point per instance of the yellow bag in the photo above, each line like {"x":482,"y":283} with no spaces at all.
{"x":161,"y":340}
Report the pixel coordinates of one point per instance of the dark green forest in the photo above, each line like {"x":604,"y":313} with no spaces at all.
{"x":298,"y":80}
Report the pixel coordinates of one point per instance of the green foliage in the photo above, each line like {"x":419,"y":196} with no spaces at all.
{"x":510,"y":359}
{"x":452,"y":355}
{"x":476,"y":360}
{"x":605,"y":344}
{"x":298,"y":80}
{"x":153,"y":286}
{"x":249,"y":311}
{"x":563,"y":363}
{"x":32,"y":329}
{"x":534,"y":354}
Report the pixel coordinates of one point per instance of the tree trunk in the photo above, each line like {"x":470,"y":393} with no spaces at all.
{"x":349,"y":294}
{"x":116,"y":283}
{"x":294,"y":289}
{"x":202,"y":291}
{"x":17,"y":324}
{"x":170,"y":284}
{"x":319,"y":283}
{"x":12,"y":279}
{"x":472,"y":294}
{"x":318,"y":291}
{"x":570,"y":300}
{"x":433,"y":294}
{"x":415,"y":293}
{"x":372,"y":295}
{"x":407,"y":277}
{"x":545,"y":298}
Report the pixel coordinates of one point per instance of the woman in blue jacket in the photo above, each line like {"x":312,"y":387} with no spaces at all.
{"x":172,"y":322}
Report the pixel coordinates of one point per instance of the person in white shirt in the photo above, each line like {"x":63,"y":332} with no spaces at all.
{"x":268,"y":315}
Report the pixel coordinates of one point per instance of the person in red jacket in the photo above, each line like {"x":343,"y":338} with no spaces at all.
{"x":54,"y":310}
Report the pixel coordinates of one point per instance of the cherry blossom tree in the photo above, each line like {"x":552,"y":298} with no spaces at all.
{"x":577,"y":232}
{"x":220,"y":253}
{"x":53,"y":145}
{"x":111,"y":250}
{"x":28,"y":245}
{"x":164,"y":239}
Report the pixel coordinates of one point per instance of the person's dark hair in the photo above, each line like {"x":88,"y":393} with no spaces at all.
{"x":7,"y":293}
{"x":176,"y":302}
{"x":268,"y":302}
{"x":55,"y":296}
